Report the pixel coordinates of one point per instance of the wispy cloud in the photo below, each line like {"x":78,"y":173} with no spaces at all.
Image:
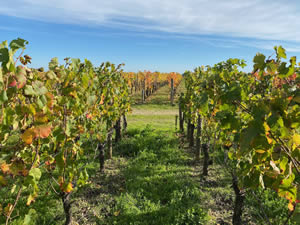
{"x":261,"y":19}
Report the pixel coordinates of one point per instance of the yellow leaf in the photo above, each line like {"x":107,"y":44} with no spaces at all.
{"x":260,"y":151}
{"x":270,"y":140}
{"x":3,"y":181}
{"x":68,"y":188}
{"x":102,"y":99}
{"x":30,"y":199}
{"x":41,"y":118}
{"x":291,"y":206}
{"x":32,"y":109}
{"x":117,"y":213}
{"x":8,"y":208}
{"x":73,"y":94}
{"x":28,"y":136}
{"x":266,"y":126}
{"x":296,"y":139}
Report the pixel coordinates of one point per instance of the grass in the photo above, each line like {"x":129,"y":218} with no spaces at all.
{"x":159,"y":189}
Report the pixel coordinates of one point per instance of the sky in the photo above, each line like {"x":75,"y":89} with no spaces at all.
{"x":155,"y":35}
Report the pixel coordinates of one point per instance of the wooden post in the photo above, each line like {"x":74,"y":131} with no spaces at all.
{"x":109,"y":143}
{"x":118,"y":131}
{"x":143,"y":95}
{"x":206,"y":159}
{"x":172,"y":92}
{"x":124,"y":123}
{"x":192,"y":129}
{"x":188,"y":129}
{"x":101,"y":157}
{"x":181,"y":121}
{"x":198,"y":140}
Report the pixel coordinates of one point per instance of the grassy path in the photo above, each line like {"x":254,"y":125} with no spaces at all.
{"x":150,"y":180}
{"x":159,"y":187}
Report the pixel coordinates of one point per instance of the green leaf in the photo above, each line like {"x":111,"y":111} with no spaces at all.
{"x":53,"y":63}
{"x":283,"y":164}
{"x":75,"y":63}
{"x":51,"y":75}
{"x":3,"y":181}
{"x":271,"y":67}
{"x":259,"y":61}
{"x":247,"y":136}
{"x":30,"y":218}
{"x":3,"y":97}
{"x":60,"y":160}
{"x":85,"y":81}
{"x":40,"y":103}
{"x":13,"y":139}
{"x":280,"y":51}
{"x":18,"y":44}
{"x":4,"y":56}
{"x":203,"y":103}
{"x":39,"y":88}
{"x":35,"y":173}
{"x":29,"y":90}
{"x":91,"y":100}
{"x":1,"y":77}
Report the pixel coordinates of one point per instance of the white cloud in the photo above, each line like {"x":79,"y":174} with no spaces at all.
{"x":262,"y":19}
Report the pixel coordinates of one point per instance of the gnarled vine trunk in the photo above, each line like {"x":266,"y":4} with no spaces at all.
{"x":118,"y":131}
{"x":198,"y":140}
{"x":67,"y":207}
{"x":124,"y":123}
{"x":101,"y":156}
{"x":239,"y":202}
{"x":109,"y":143}
{"x":205,"y":148}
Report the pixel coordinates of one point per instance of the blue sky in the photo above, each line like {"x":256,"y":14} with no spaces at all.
{"x":163,"y":35}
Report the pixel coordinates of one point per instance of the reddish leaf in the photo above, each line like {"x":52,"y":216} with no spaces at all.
{"x":13,"y":83}
{"x":50,"y":98}
{"x":43,"y":131}
{"x":89,"y":116}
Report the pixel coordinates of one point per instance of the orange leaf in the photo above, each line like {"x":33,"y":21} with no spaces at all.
{"x":4,"y":167}
{"x":291,"y":206}
{"x":102,"y":99}
{"x":50,"y":98}
{"x":43,"y":131}
{"x":68,"y":188}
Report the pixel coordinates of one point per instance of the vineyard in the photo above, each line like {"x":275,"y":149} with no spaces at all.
{"x":81,"y":144}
